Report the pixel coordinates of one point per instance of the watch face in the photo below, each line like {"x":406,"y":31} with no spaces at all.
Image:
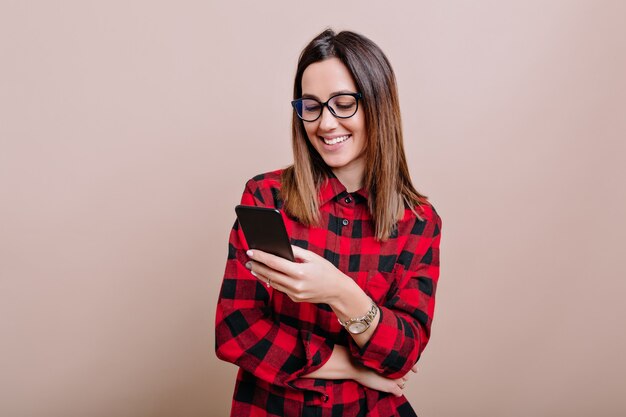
{"x":357,"y":327}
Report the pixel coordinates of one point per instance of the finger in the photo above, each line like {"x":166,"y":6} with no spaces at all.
{"x":264,"y":280}
{"x":272,"y":261}
{"x":269,"y":283}
{"x":261,"y":270}
{"x":414,"y":368}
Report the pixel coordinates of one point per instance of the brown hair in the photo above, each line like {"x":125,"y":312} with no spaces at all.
{"x":387,"y":176}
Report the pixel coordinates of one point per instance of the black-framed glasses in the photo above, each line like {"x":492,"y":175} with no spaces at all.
{"x":342,"y":106}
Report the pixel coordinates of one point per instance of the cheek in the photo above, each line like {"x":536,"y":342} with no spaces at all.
{"x":357,"y":126}
{"x":356,"y":123}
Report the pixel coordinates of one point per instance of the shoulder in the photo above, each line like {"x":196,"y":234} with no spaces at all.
{"x":267,"y":179}
{"x":427,"y":211}
{"x":425,"y":219}
{"x":265,"y":189}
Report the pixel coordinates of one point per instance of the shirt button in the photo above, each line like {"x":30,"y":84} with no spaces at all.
{"x":325,"y":398}
{"x":345,"y":222}
{"x":348,"y":200}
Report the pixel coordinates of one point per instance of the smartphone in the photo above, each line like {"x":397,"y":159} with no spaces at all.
{"x":265,"y":230}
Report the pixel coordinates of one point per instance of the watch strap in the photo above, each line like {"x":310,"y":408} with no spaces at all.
{"x":367,"y":318}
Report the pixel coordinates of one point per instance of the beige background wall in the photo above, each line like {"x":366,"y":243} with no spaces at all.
{"x":127,"y":132}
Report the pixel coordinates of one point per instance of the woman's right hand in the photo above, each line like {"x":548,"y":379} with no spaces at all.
{"x":371,"y":379}
{"x":341,"y":366}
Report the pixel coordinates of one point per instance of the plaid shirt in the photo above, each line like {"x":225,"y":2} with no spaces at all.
{"x":275,"y":341}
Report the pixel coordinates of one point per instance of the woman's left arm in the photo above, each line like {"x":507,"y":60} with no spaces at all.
{"x":400,"y":331}
{"x":405,"y":318}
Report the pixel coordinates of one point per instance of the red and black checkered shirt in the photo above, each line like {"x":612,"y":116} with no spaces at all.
{"x":275,"y":341}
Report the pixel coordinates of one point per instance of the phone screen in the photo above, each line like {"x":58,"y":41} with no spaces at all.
{"x":265,"y":230}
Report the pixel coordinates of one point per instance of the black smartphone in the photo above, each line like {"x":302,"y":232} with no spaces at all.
{"x":265,"y":230}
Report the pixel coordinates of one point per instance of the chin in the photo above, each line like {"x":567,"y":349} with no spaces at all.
{"x":335,"y":164}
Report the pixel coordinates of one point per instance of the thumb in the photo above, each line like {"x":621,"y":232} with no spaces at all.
{"x":302,"y":254}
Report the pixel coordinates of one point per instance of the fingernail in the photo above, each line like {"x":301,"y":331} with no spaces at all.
{"x":253,"y":273}
{"x":249,"y":253}
{"x":249,"y":265}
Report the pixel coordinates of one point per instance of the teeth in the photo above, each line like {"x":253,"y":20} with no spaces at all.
{"x":336,"y":140}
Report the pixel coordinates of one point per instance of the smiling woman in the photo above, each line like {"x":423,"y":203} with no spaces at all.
{"x":337,"y":332}
{"x":340,"y":141}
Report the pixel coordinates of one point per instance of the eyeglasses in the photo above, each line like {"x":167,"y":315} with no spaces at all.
{"x":341,"y":106}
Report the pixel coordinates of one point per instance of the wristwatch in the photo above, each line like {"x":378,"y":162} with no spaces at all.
{"x":360,"y":324}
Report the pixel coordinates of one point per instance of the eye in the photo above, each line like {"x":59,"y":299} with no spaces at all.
{"x":343,"y":103}
{"x":311,"y":107}
{"x":345,"y":106}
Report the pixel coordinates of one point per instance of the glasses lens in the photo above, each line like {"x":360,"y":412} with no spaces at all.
{"x":308,"y":109}
{"x":343,"y":105}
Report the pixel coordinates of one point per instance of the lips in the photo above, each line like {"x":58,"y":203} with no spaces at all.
{"x":335,"y":140}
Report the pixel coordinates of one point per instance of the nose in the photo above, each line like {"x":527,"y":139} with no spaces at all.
{"x":327,"y":120}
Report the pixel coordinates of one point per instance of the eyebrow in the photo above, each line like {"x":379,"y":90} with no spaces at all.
{"x":334,"y":93}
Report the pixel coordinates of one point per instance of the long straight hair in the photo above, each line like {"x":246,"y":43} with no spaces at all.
{"x":387,"y":177}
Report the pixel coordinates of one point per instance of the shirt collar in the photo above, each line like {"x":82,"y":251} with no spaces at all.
{"x":332,"y":188}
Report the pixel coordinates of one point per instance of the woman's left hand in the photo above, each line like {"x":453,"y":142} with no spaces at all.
{"x":313,"y":279}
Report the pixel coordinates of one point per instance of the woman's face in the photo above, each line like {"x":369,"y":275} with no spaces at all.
{"x":340,"y":142}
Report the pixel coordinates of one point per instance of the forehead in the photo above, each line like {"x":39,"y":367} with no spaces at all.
{"x":324,"y":78}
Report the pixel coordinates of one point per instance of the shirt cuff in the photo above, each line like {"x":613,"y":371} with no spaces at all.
{"x":318,"y":350}
{"x":381,"y":352}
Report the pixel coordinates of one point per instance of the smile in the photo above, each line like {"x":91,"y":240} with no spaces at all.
{"x":336,"y":140}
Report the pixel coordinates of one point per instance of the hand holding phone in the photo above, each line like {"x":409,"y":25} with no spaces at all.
{"x":265,"y":230}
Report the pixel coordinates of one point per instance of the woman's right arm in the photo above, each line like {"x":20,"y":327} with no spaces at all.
{"x":246,"y":333}
{"x":340,"y":365}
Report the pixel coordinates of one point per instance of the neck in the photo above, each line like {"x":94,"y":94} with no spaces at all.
{"x":351,"y":177}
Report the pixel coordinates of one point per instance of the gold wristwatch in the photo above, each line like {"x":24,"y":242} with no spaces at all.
{"x":360,"y":324}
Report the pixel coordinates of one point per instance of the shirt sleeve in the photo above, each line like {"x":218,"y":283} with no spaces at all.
{"x":246,"y":333}
{"x":407,"y":313}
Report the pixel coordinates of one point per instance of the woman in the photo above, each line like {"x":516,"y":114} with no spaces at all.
{"x":336,"y":332}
